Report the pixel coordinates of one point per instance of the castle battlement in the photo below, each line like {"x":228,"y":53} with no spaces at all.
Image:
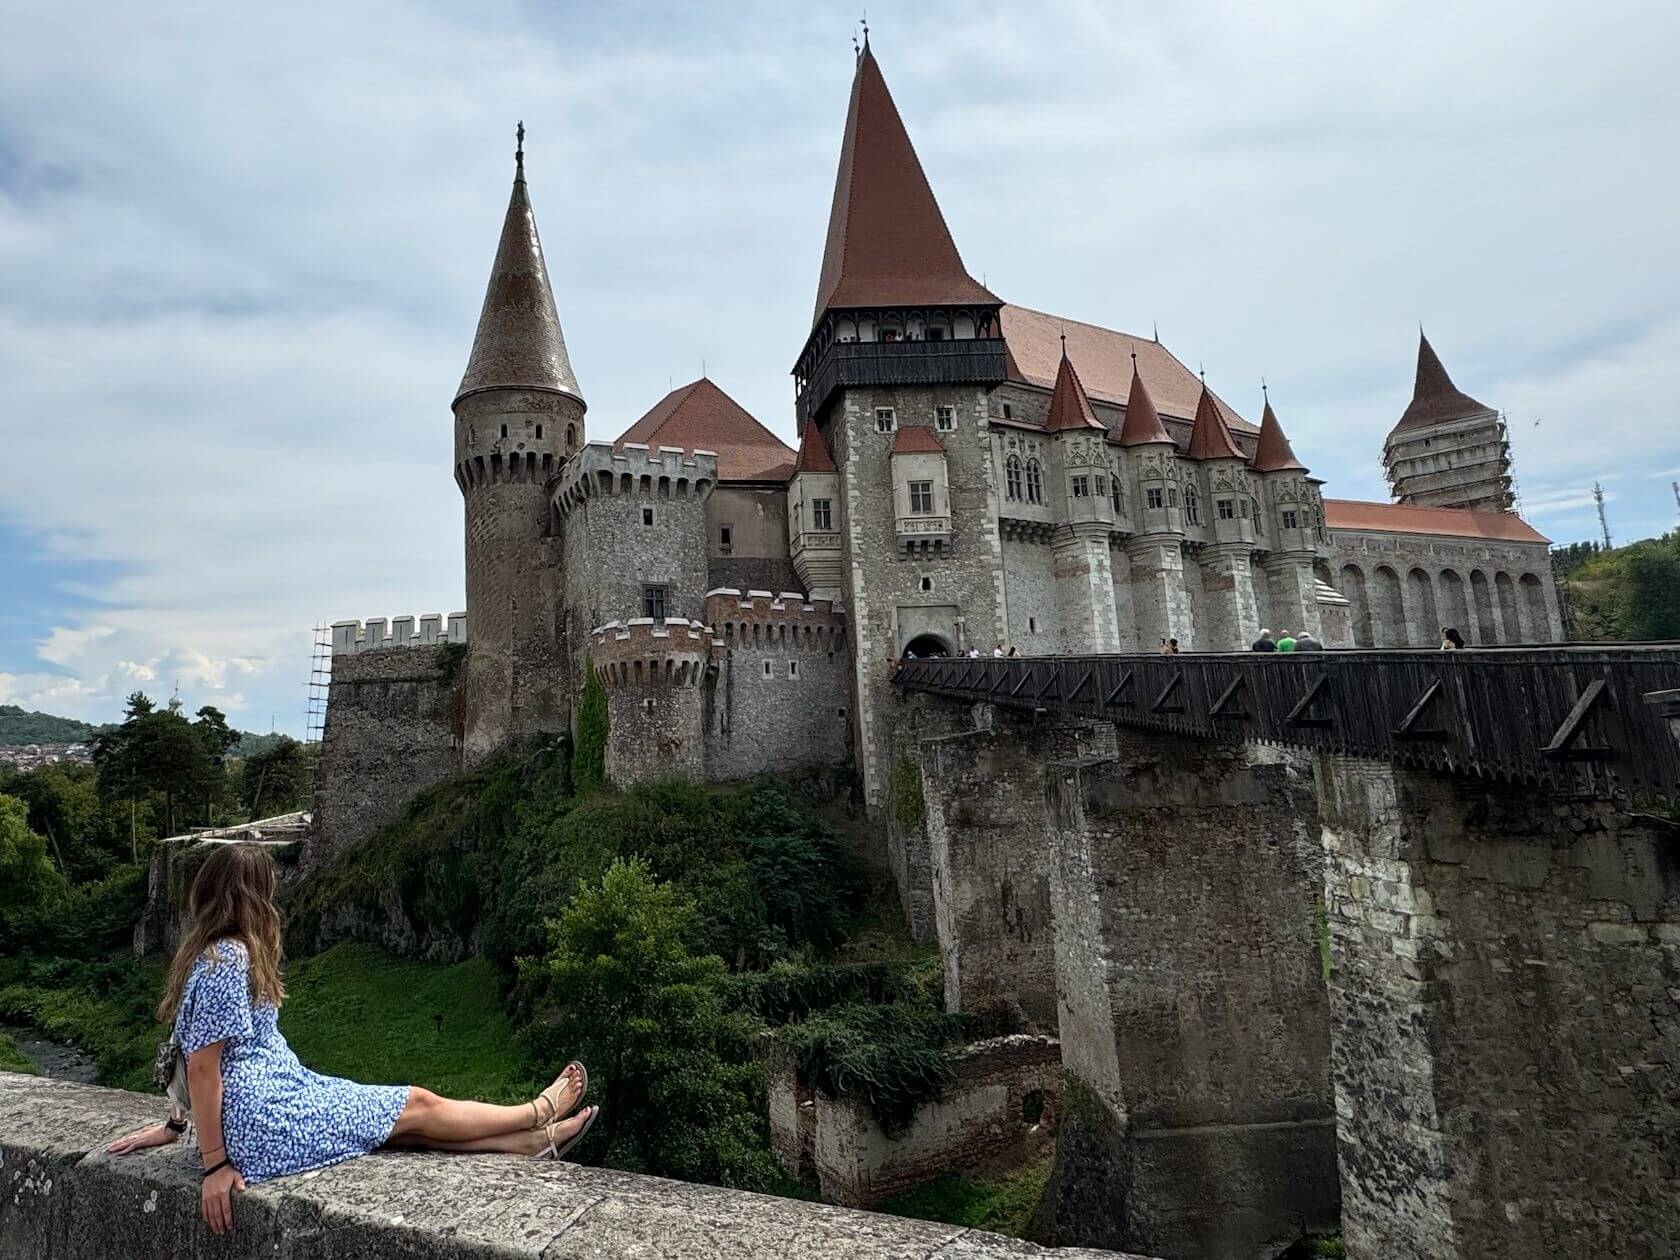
{"x":784,"y":620}
{"x":666,"y":472}
{"x":644,"y":652}
{"x":351,"y":638}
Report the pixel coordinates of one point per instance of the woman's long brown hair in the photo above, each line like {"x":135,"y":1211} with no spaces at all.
{"x":232,"y":895}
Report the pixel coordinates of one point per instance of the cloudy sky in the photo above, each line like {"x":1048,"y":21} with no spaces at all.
{"x":242,"y":249}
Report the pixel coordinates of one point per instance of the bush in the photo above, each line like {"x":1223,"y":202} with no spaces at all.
{"x":621,"y":990}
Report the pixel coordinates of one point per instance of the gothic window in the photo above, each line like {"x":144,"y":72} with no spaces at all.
{"x":1290,"y":520}
{"x":1012,"y":478}
{"x":653,"y":601}
{"x":886,"y":420}
{"x":1192,"y":505}
{"x":921,"y":497}
{"x":1152,"y":497}
{"x":1102,"y":487}
{"x":1081,"y":487}
{"x":1227,"y":510}
{"x":1115,"y":496}
{"x":1035,"y":482}
{"x":944,"y":418}
{"x":822,"y":515}
{"x":1172,"y":496}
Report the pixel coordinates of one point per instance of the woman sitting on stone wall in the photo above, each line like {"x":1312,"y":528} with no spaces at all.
{"x":257,"y":1111}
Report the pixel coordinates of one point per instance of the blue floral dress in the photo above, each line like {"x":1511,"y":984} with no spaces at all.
{"x":277,"y":1116}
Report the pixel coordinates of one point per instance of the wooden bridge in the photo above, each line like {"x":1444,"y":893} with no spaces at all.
{"x":1583,"y":718}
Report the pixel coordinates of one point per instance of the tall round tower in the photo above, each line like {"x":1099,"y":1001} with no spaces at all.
{"x":518,"y":417}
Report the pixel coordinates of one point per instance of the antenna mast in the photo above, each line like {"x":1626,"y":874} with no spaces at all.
{"x":1603,"y":525}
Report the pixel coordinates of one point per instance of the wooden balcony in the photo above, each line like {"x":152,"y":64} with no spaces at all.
{"x":848,"y":364}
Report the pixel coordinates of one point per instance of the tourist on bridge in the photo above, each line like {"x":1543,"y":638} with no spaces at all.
{"x":1286,"y":641}
{"x":1264,"y":643}
{"x":1304,"y":642}
{"x":1451,"y":640}
{"x":259,"y":1113}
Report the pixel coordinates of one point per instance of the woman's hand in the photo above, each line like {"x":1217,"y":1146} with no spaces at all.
{"x":159,"y":1134}
{"x":215,"y":1198}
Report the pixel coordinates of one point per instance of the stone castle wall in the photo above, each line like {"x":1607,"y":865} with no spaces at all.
{"x":655,"y":675}
{"x":394,"y":724}
{"x":781,"y":697}
{"x":1504,"y":993}
{"x":1000,"y":1106}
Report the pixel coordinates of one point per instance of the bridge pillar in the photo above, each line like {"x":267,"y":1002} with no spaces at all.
{"x":988,"y":856}
{"x":1192,"y":1010}
{"x":1505,"y":976}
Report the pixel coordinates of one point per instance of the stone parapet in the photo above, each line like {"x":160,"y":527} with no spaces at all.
{"x":674,"y":652}
{"x":666,"y":472}
{"x":785,"y":619}
{"x":62,"y":1197}
{"x":350,"y":638}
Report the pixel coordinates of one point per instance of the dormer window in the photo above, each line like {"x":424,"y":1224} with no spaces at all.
{"x":886,"y":420}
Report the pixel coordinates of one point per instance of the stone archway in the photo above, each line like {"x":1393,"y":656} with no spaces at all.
{"x":1506,"y":590}
{"x":1455,"y":603}
{"x":1388,"y":610}
{"x":1424,"y":623}
{"x":1481,"y":590}
{"x":926,"y":645}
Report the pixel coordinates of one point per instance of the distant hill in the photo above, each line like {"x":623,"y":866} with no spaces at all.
{"x":18,"y":726}
{"x":1627,"y":593}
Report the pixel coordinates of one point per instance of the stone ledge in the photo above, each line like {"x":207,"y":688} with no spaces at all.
{"x":62,"y":1197}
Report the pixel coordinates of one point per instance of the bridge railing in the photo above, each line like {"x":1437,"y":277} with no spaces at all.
{"x":1571,"y":717}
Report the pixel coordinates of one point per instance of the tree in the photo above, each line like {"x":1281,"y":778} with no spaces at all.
{"x":27,"y":879}
{"x":65,"y":807}
{"x":272,"y":780}
{"x":120,"y":759}
{"x":216,"y":738}
{"x":620,"y":989}
{"x":1653,"y":589}
{"x":173,"y":760}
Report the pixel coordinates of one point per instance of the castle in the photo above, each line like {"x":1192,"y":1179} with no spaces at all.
{"x":971,"y":476}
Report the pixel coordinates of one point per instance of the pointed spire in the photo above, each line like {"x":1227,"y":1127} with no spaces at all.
{"x":1142,"y":423}
{"x":1209,"y":437}
{"x":813,"y":452}
{"x":519,"y":344}
{"x":887,"y":240}
{"x":1435,"y":399}
{"x":1070,"y":406}
{"x":1272,"y":453}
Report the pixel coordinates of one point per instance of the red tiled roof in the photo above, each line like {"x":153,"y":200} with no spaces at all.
{"x":1069,"y":407}
{"x":1272,"y":453}
{"x":1209,"y":438}
{"x":1142,"y":423}
{"x":1396,"y":518}
{"x":1435,"y":399}
{"x":700,"y":416}
{"x":1104,"y":360}
{"x":813,"y":452}
{"x":917,"y":439}
{"x":887,"y":240}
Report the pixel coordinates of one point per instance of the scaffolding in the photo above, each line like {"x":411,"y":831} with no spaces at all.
{"x":315,"y":719}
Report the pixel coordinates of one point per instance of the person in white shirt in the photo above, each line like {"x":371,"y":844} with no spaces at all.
{"x":998,"y":650}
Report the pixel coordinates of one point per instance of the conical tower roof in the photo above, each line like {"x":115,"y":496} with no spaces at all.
{"x":1435,"y":399}
{"x":1272,"y":453}
{"x":887,"y":240}
{"x":519,"y":343}
{"x":813,"y":452}
{"x":1142,"y":423}
{"x":1070,"y":406}
{"x":1209,"y":438}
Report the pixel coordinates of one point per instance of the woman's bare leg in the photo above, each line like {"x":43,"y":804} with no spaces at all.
{"x":526,"y":1142}
{"x":437,"y":1119}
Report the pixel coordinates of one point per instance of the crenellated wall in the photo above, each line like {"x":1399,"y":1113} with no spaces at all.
{"x":781,"y":697}
{"x":655,"y":675}
{"x":63,"y":1198}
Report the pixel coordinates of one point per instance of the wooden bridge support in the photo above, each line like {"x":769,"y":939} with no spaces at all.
{"x":1192,"y":1010}
{"x":1505,"y":1017}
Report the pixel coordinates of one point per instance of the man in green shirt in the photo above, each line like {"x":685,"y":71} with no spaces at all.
{"x":1286,"y":642}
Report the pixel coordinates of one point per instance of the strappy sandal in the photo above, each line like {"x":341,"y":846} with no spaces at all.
{"x":551,"y":1096}
{"x":557,"y":1149}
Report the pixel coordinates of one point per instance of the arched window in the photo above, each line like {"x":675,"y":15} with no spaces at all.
{"x":1012,"y":477}
{"x":1035,"y":482}
{"x":1192,"y":505}
{"x":1115,"y":495}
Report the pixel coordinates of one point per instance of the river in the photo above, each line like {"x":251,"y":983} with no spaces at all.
{"x":61,"y":1063}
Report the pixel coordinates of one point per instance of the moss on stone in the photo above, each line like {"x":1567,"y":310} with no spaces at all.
{"x":907,"y":795}
{"x":589,"y":758}
{"x":1084,"y":1201}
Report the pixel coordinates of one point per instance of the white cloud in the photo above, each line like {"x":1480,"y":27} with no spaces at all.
{"x":242,"y":250}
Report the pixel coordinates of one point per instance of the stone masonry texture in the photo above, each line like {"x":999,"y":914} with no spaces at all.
{"x":392,"y":729}
{"x":1505,"y":1001}
{"x":1192,"y":1007}
{"x":62,"y":1198}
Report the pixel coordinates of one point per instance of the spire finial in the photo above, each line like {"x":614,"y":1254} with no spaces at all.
{"x":1201,"y":371}
{"x":519,"y":150}
{"x":1134,"y":363}
{"x":1156,"y":331}
{"x":1064,"y":341}
{"x":1263,"y":392}
{"x":857,"y":49}
{"x":866,"y":28}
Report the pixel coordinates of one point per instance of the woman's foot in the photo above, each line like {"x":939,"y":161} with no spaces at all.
{"x":557,"y":1101}
{"x":560,"y":1137}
